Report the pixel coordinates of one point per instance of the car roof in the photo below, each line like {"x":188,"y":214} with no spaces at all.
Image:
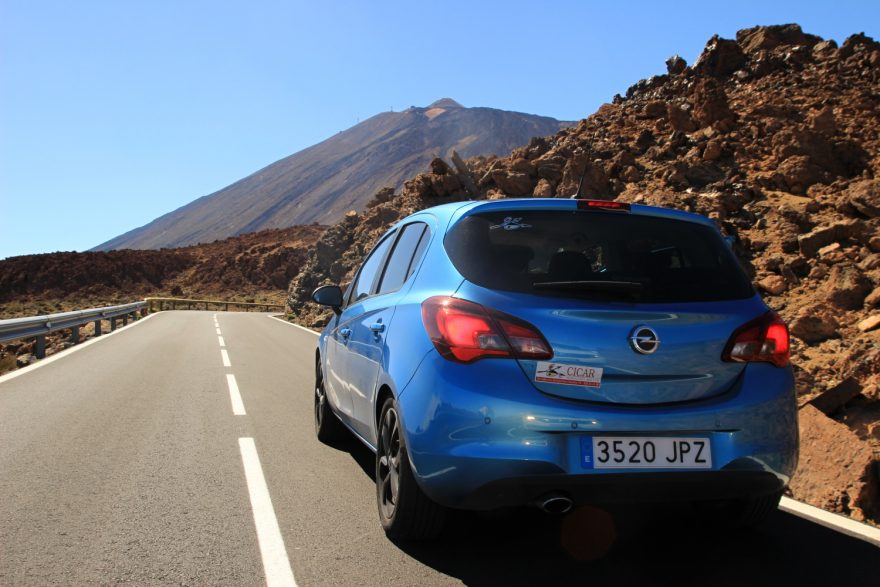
{"x":459,"y":211}
{"x":451,"y":213}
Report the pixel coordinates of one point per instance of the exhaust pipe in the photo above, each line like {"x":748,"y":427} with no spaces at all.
{"x":554,"y":503}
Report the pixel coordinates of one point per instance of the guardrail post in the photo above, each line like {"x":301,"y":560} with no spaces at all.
{"x":41,"y":346}
{"x":112,"y":324}
{"x":97,"y":328}
{"x":74,"y":335}
{"x":125,"y":319}
{"x":227,"y":306}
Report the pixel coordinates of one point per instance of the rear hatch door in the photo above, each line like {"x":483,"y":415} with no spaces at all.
{"x":648,"y":303}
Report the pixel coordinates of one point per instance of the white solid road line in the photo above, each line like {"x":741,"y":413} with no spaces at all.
{"x":276,"y":565}
{"x":222,"y":342}
{"x":71,"y":350}
{"x":225,"y":357}
{"x":836,"y":522}
{"x":235,"y":396}
{"x":294,"y":325}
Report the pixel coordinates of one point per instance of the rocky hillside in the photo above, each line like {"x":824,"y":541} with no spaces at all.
{"x":776,"y":136}
{"x":258,"y":264}
{"x":253,"y":267}
{"x":321,"y":183}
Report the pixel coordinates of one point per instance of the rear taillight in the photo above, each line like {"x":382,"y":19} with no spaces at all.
{"x":465,"y":332}
{"x":764,"y":339}
{"x":602,"y":205}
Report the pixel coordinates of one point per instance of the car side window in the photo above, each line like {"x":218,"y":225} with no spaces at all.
{"x":397,"y":268}
{"x":420,"y":252}
{"x":367,"y":275}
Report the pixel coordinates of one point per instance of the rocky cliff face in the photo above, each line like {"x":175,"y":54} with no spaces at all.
{"x":776,"y":136}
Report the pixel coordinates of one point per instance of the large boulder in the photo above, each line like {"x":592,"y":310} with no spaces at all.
{"x":513,"y":183}
{"x":813,"y":325}
{"x":710,"y":103}
{"x":720,"y":58}
{"x":767,"y":38}
{"x":846,"y":287}
{"x":810,"y":243}
{"x":864,"y":197}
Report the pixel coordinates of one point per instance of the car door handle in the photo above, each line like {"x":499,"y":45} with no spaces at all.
{"x":345,"y":332}
{"x":377,"y":327}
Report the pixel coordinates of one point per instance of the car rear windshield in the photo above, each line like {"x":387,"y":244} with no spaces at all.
{"x":596,"y":255}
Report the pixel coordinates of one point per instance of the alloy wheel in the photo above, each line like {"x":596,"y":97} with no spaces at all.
{"x":389,"y":463}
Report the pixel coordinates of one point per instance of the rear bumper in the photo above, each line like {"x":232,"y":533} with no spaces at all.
{"x":482,"y":438}
{"x":625,"y":488}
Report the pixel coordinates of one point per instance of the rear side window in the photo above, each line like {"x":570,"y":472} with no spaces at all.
{"x":596,"y":255}
{"x":397,"y":269}
{"x":420,"y":252}
{"x":367,"y":275}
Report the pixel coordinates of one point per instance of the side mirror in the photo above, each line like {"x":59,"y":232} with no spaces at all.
{"x":329,"y":295}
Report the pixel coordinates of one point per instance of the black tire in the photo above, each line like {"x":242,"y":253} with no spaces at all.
{"x":328,"y":428}
{"x":739,"y":513}
{"x":405,"y":512}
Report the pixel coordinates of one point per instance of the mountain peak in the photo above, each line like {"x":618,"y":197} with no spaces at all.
{"x":341,"y":173}
{"x":445,"y":103}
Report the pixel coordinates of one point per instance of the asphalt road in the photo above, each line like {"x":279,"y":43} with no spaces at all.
{"x":122,"y":463}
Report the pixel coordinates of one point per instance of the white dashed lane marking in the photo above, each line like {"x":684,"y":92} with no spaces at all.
{"x":276,"y":565}
{"x":235,"y":396}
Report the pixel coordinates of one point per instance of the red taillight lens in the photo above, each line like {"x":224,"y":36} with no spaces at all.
{"x":465,"y":332}
{"x":764,"y":339}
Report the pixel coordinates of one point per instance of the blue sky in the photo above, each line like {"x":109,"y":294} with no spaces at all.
{"x":113,"y":113}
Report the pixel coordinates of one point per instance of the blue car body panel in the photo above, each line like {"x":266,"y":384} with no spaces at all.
{"x":469,"y":427}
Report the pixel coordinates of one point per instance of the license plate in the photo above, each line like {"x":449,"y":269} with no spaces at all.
{"x":645,"y":452}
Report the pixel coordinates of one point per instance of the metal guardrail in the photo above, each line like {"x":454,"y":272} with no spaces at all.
{"x":40,"y":326}
{"x":185,"y":304}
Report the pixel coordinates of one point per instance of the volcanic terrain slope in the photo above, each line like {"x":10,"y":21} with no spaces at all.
{"x":256,"y":266}
{"x":776,"y":136}
{"x":321,"y":183}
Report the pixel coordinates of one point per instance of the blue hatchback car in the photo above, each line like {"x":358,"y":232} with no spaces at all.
{"x":557,"y":352}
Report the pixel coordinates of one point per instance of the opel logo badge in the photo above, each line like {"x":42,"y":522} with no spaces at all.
{"x":644,"y":340}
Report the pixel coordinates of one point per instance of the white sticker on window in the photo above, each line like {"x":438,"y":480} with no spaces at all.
{"x":548,"y":372}
{"x":511,"y":223}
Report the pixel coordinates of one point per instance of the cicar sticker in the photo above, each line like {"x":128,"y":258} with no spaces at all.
{"x":549,"y":372}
